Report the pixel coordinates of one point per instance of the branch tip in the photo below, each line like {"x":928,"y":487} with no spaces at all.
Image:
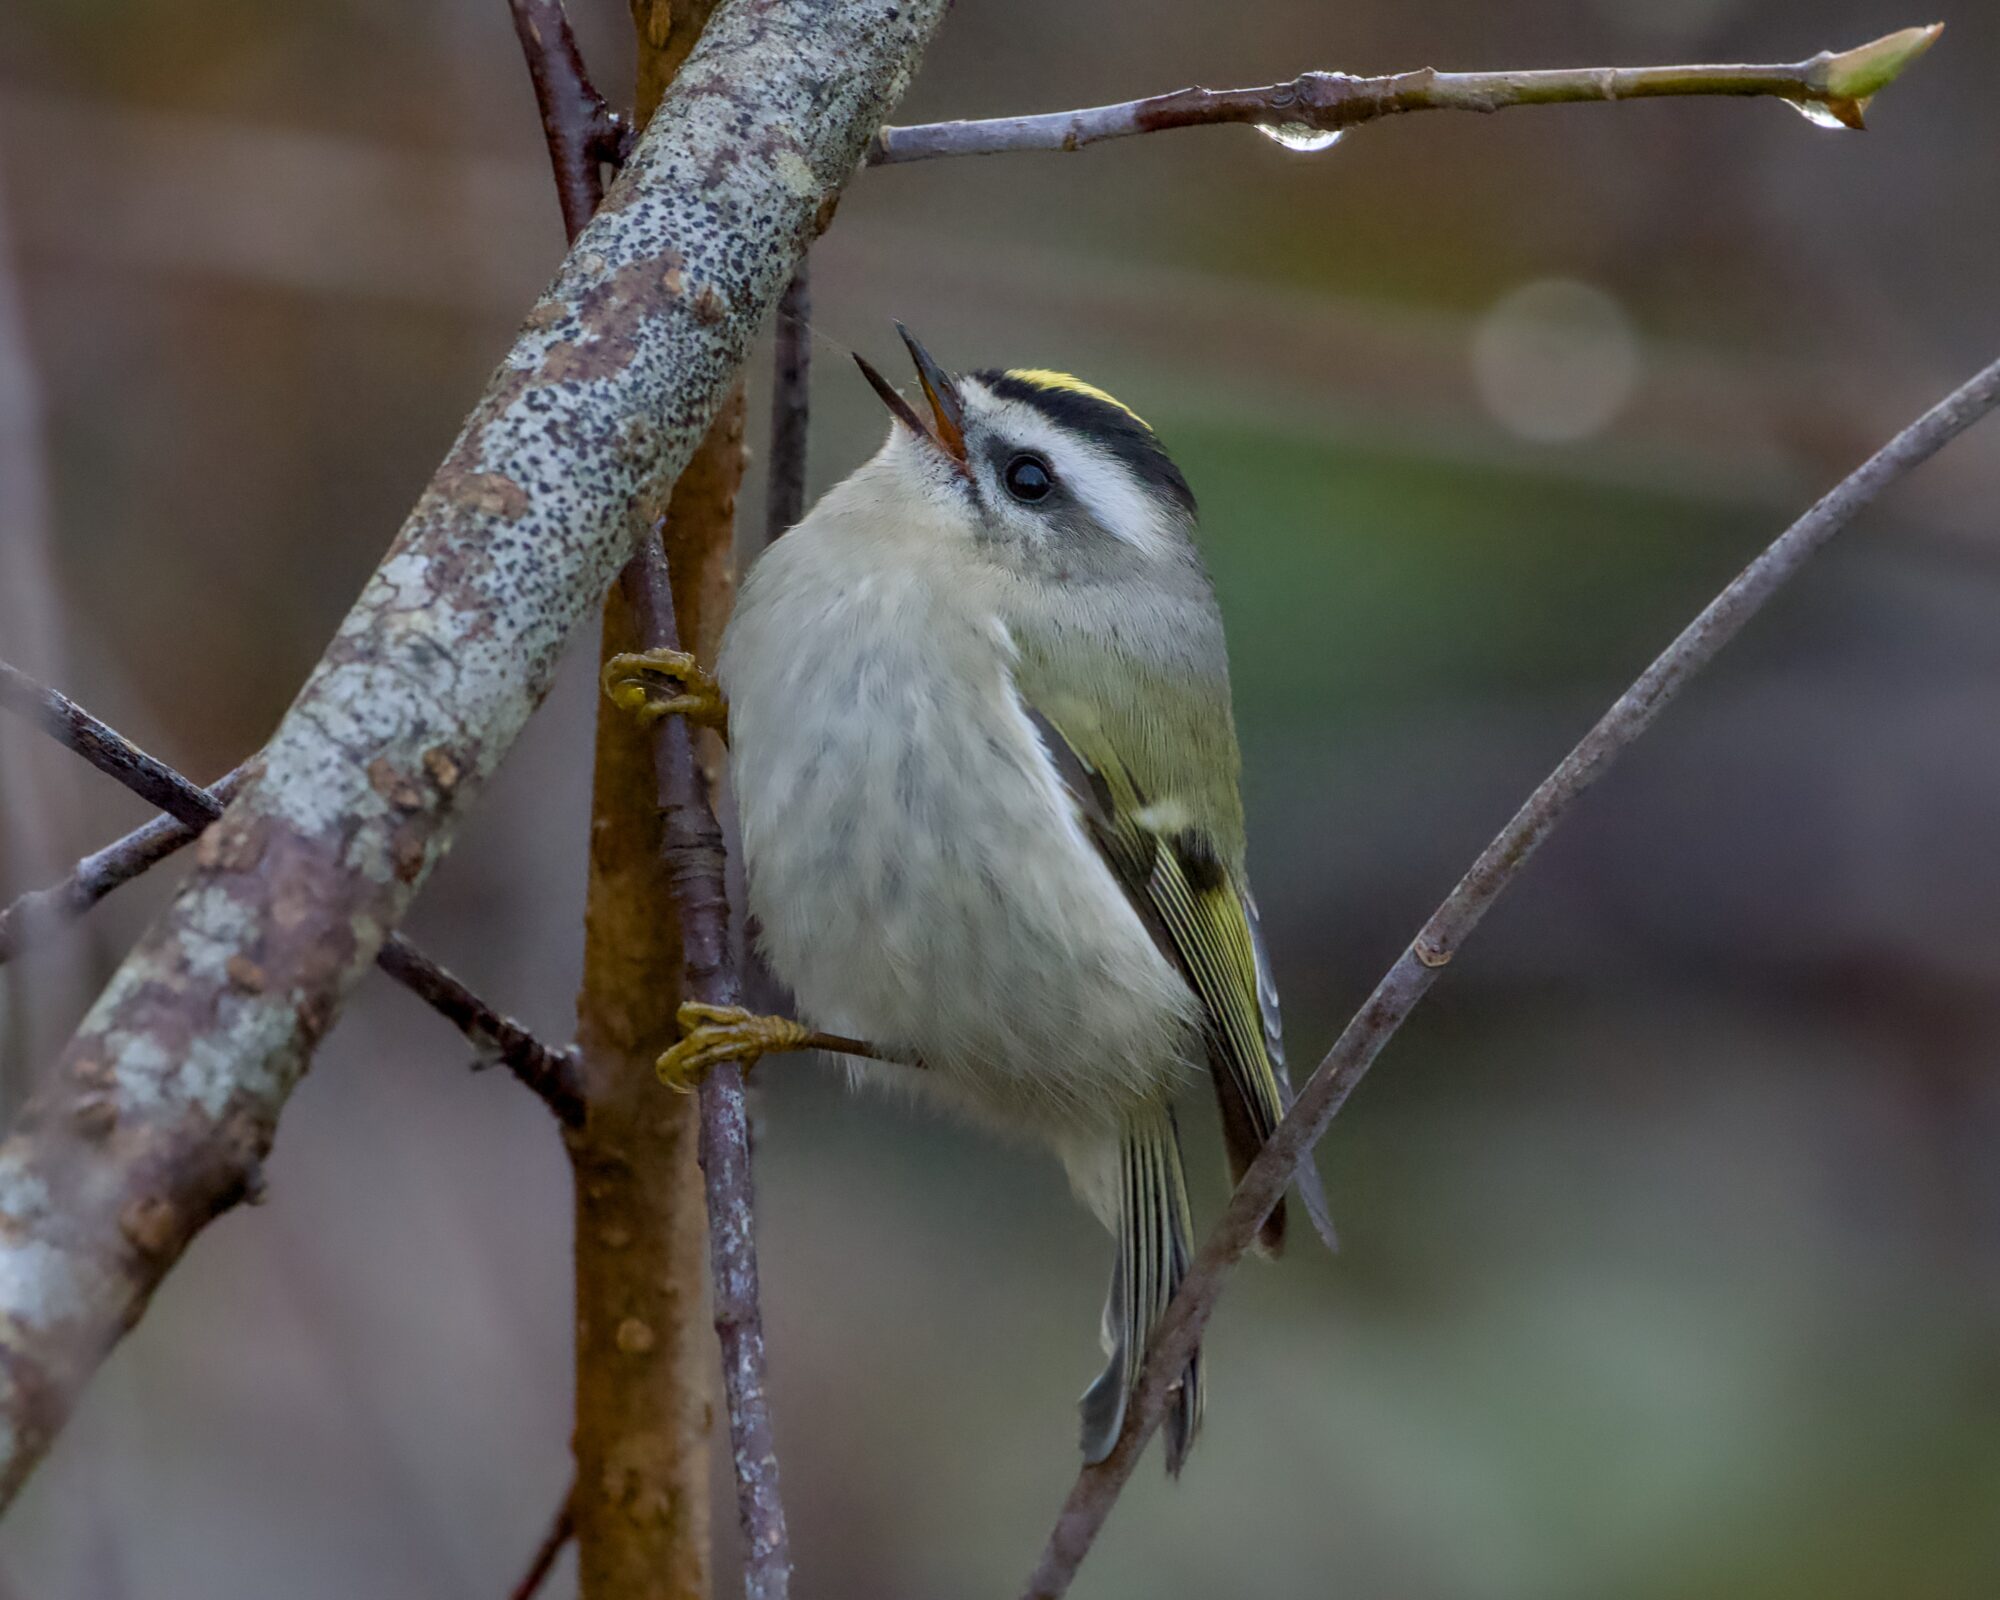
{"x":1858,"y":74}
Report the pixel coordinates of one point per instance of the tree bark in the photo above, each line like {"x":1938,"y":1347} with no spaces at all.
{"x":156,"y":1118}
{"x":644,"y":1363}
{"x":644,"y":1350}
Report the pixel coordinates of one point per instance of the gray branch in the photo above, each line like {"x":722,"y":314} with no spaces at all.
{"x":36,"y":914}
{"x":1097,"y":1487}
{"x":161,"y":1107}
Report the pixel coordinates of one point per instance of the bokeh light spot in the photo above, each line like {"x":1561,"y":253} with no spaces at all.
{"x":1555,"y":360}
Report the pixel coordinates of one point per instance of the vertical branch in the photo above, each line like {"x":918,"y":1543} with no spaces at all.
{"x":791,"y":383}
{"x":667,"y":31}
{"x":640,"y":1505}
{"x":693,"y":849}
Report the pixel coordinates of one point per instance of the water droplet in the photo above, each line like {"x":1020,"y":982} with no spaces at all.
{"x":1300,"y":136}
{"x":1842,"y":114}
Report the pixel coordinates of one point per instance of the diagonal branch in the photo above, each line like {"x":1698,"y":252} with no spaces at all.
{"x":1312,"y":110}
{"x":1097,"y":1488}
{"x":562,"y":1528}
{"x":549,"y":1073}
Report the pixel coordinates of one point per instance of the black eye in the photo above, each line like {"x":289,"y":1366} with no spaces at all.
{"x":1027,"y":478}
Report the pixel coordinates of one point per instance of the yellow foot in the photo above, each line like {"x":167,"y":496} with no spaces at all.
{"x":711,"y":1035}
{"x":630,"y":680}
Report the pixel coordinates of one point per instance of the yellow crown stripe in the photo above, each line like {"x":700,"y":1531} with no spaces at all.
{"x":1044,"y":378}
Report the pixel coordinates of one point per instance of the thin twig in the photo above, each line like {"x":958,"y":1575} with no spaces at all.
{"x":562,"y":1528}
{"x":583,"y":133}
{"x":691,"y":843}
{"x":1827,"y":86}
{"x":791,"y":374}
{"x":1097,"y":1488}
{"x":549,"y":1073}
{"x":38,"y":913}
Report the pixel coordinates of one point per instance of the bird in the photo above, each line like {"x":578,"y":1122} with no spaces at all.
{"x":985,"y":767}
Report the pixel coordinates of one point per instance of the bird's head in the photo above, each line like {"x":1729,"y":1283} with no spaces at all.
{"x":1040,"y":470}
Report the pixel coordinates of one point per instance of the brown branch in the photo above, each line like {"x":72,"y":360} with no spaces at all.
{"x":642,"y":1349}
{"x":1833,"y":89}
{"x":1097,"y":1488}
{"x":549,"y":1073}
{"x":37,"y":914}
{"x":562,"y":1528}
{"x":691,"y":844}
{"x":640,"y":1506}
{"x":583,"y":133}
{"x":791,"y":385}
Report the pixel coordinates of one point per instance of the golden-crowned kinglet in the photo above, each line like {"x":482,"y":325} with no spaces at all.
{"x":983,"y":757}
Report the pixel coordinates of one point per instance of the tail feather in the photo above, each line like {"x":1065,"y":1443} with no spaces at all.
{"x":1154,"y":1228}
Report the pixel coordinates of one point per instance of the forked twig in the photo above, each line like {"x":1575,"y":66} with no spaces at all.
{"x":583,"y":133}
{"x":36,"y":913}
{"x":549,"y":1073}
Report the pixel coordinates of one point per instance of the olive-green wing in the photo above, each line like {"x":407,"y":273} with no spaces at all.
{"x":1171,"y":848}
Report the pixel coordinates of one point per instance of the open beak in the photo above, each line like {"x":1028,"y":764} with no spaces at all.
{"x":947,"y":428}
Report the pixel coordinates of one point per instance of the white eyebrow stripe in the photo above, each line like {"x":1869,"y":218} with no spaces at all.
{"x":1099,"y":479}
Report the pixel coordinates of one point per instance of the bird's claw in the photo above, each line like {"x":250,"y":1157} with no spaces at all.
{"x":711,"y":1035}
{"x":630,"y":679}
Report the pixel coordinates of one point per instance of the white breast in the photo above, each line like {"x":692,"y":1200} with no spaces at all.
{"x":918,"y":871}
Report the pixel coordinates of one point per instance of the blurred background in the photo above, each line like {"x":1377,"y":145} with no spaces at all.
{"x":1672,"y":1222}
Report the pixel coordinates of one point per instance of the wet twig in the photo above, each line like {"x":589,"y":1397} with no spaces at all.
{"x":549,"y":1073}
{"x":1097,"y":1487}
{"x":1831,"y":87}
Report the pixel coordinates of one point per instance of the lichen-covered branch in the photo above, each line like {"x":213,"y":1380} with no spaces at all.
{"x":190,"y":809}
{"x":1832,"y":88}
{"x":163,"y":1104}
{"x":1097,"y":1487}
